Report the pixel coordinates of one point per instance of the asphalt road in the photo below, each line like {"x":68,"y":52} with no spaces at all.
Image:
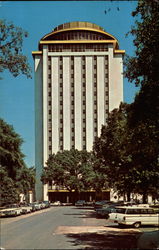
{"x":64,"y":228}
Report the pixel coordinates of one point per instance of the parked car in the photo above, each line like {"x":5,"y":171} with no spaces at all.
{"x":33,"y":207}
{"x":47,"y":203}
{"x":26,"y":208}
{"x":105,"y":211}
{"x":135,"y":216}
{"x":89,"y":203}
{"x":42,"y":205}
{"x":57,"y":203}
{"x":11,"y":210}
{"x":100,"y":204}
{"x":80,"y":203}
{"x":36,"y":205}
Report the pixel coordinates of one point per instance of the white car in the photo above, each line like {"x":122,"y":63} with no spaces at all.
{"x":57,"y":203}
{"x":134,"y":216}
{"x":26,"y":209}
{"x":11,"y":210}
{"x":42,"y":205}
{"x":37,"y":205}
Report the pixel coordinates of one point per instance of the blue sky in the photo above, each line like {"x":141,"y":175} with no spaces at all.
{"x":40,"y":18}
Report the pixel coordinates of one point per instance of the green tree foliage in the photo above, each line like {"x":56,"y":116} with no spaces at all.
{"x":11,"y":56}
{"x":112,"y":147}
{"x":143,"y":67}
{"x":8,"y":191}
{"x":129,"y":154}
{"x":71,"y":169}
{"x":144,"y":112}
{"x":15,"y":177}
{"x":144,"y":149}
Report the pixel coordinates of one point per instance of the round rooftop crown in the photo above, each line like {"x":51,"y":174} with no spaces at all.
{"x":80,"y":31}
{"x":78,"y":25}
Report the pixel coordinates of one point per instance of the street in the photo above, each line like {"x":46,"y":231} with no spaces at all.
{"x":64,"y":228}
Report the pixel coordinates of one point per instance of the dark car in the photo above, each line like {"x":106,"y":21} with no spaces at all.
{"x":80,"y":203}
{"x":47,"y":203}
{"x":100,"y":204}
{"x":105,"y":211}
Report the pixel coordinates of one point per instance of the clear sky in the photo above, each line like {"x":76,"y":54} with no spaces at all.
{"x":40,"y":18}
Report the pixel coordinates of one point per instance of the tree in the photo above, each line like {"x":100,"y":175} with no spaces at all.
{"x":111,"y":148}
{"x":129,"y":154}
{"x":8,"y":191}
{"x":143,"y":67}
{"x":71,"y":169}
{"x":144,"y":112}
{"x":11,"y":56}
{"x":15,"y":177}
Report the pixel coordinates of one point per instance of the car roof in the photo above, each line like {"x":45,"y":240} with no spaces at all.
{"x":133,"y":207}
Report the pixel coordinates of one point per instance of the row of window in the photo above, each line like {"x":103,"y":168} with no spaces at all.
{"x":79,"y":35}
{"x":77,"y":47}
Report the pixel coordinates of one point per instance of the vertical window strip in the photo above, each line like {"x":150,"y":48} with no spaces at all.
{"x":49,"y":121}
{"x":106,"y":88}
{"x":83,"y":89}
{"x":95,"y":99}
{"x":72,"y":133}
{"x":60,"y":80}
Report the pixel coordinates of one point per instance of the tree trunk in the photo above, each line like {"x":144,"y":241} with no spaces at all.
{"x":144,"y":197}
{"x":128,"y":196}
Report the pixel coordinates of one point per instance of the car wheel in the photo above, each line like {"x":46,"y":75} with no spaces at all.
{"x":137,"y":224}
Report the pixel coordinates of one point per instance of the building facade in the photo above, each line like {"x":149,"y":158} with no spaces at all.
{"x":78,"y":81}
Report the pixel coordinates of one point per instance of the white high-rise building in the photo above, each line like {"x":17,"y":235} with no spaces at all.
{"x":78,"y":81}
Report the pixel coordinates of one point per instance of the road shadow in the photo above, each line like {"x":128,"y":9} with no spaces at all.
{"x":103,"y":240}
{"x":84,"y":208}
{"x":86,"y":214}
